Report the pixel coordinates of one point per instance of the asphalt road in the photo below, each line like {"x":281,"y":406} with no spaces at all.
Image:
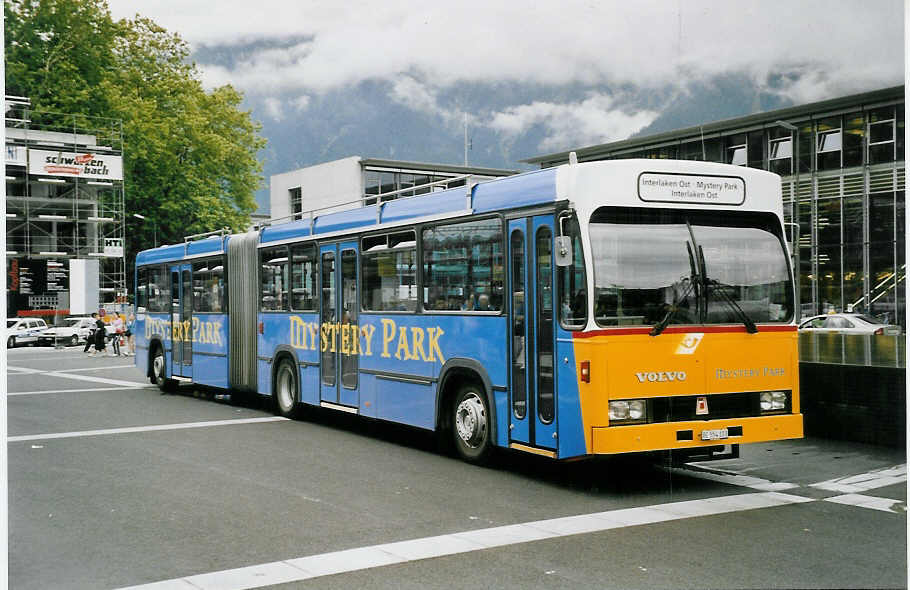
{"x":112,"y":484}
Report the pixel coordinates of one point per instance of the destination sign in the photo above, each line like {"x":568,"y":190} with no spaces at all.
{"x":659,"y":187}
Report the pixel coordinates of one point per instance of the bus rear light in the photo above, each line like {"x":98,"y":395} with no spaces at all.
{"x":261,"y":328}
{"x":585,"y":371}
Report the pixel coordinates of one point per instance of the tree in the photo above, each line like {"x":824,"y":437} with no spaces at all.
{"x":190,"y":156}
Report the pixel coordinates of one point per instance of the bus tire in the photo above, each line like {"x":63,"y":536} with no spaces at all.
{"x":286,"y":389}
{"x":159,"y":374}
{"x":471,"y":424}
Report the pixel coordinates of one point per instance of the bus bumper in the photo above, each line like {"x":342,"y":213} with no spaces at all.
{"x":688,"y":435}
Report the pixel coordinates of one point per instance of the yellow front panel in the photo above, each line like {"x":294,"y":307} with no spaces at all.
{"x":630,"y":364}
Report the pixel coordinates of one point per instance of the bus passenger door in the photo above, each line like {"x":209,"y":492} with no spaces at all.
{"x":531,"y":344}
{"x":182,"y":320}
{"x":339,"y":319}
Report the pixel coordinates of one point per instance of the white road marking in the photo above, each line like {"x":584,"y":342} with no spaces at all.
{"x":102,"y":368}
{"x":883,"y":504}
{"x":865,"y":481}
{"x":68,"y":375}
{"x":137,"y":386}
{"x":153,"y":428}
{"x":93,"y":379}
{"x":746,"y":481}
{"x":21,"y":371}
{"x":361,"y":558}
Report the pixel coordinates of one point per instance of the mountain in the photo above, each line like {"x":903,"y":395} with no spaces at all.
{"x":408,"y":119}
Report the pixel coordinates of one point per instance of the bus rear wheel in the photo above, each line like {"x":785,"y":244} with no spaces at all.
{"x":286,"y":390}
{"x":471,"y":424}
{"x":159,"y":374}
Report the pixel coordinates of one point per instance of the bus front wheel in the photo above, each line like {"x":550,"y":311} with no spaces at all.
{"x":159,"y":373}
{"x":471,"y":424}
{"x":286,"y":389}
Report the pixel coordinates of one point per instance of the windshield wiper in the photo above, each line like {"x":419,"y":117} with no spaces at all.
{"x":721,"y":288}
{"x":693,"y":281}
{"x":674,"y":307}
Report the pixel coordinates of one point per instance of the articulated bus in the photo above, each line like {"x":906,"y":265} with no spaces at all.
{"x":588,"y":309}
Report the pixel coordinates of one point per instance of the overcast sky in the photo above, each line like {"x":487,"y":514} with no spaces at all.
{"x":820,"y":49}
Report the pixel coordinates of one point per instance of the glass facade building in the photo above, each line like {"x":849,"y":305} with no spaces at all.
{"x":841,"y":163}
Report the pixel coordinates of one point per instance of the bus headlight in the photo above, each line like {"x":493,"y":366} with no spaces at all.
{"x":774,"y":401}
{"x":628,"y":411}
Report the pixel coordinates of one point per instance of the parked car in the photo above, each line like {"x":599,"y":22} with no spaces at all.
{"x":71,"y":332}
{"x":23,"y":331}
{"x":847,"y":323}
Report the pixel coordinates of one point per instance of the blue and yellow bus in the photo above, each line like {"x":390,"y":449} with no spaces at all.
{"x":594,"y":308}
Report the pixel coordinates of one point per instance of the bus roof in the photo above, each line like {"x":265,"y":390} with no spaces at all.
{"x":638,"y":182}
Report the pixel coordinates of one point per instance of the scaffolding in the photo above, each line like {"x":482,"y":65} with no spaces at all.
{"x":59,"y":213}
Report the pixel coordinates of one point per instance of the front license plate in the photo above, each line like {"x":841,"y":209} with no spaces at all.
{"x":716,"y":434}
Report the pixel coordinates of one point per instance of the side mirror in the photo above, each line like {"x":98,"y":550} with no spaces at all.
{"x":563,"y":251}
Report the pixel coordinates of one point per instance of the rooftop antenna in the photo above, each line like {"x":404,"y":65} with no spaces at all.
{"x":465,"y":139}
{"x":704,"y":157}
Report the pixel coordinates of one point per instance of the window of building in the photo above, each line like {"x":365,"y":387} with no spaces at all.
{"x":691,"y":151}
{"x":208,"y":285}
{"x":296,"y":196}
{"x":854,"y":131}
{"x":463,"y":266}
{"x":389,"y":271}
{"x":303,"y":277}
{"x":805,"y":149}
{"x":780,"y":156}
{"x":273,"y":278}
{"x":737,"y":150}
{"x":755,"y":149}
{"x":371,"y":186}
{"x":899,"y":143}
{"x":882,"y":127}
{"x":829,"y":142}
{"x":379,"y":182}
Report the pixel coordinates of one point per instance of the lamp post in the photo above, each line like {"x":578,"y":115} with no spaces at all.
{"x":154,"y":228}
{"x":794,"y":130}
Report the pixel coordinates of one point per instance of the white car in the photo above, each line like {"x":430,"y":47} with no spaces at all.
{"x":23,"y":331}
{"x":71,"y":332}
{"x":847,"y":323}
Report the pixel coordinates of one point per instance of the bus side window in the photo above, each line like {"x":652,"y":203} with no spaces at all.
{"x":216,"y":287}
{"x":202,"y":299}
{"x":463,"y":266}
{"x":573,"y":312}
{"x":303,"y":277}
{"x":141,"y":290}
{"x":274,"y":278}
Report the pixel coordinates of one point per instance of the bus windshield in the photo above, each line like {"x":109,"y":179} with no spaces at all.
{"x":673,"y":266}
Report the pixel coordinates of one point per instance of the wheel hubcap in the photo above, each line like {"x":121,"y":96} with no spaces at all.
{"x":158,"y":366}
{"x":470,"y":421}
{"x":285,"y":394}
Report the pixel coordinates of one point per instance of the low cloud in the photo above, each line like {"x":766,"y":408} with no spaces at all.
{"x":274,"y":109}
{"x":596,"y":119}
{"x":612,"y":43}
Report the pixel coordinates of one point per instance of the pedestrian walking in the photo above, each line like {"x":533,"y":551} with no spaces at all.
{"x":90,"y":340}
{"x":100,"y":336}
{"x":130,"y":336}
{"x":118,"y":328}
